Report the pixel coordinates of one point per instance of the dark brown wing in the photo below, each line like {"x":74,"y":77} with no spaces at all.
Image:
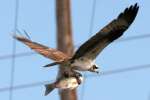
{"x":43,"y":50}
{"x":109,"y":33}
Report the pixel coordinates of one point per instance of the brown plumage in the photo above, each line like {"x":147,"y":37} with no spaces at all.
{"x":50,"y":53}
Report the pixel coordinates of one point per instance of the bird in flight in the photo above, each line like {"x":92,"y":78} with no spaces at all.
{"x":84,"y":57}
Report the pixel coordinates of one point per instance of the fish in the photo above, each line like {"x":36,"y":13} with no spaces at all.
{"x":69,"y":83}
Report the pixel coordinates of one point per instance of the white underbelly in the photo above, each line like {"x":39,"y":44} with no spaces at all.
{"x":82,"y":65}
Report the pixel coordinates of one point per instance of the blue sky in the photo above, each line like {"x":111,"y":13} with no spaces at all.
{"x":38,"y":18}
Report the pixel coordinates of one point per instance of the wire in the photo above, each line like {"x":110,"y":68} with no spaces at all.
{"x":17,"y":55}
{"x":12,"y":70}
{"x":127,"y":39}
{"x":123,"y":70}
{"x":83,"y":86}
{"x":9,"y":56}
{"x":24,"y":86}
{"x":13,"y":52}
{"x":110,"y":72}
{"x":133,"y":38}
{"x":92,"y":18}
{"x":90,"y":33}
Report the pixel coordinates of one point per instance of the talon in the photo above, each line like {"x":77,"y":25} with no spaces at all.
{"x":77,"y":76}
{"x":79,"y":81}
{"x":66,"y":74}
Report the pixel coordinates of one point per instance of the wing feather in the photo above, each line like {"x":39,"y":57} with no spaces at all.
{"x":50,"y":53}
{"x":109,"y":33}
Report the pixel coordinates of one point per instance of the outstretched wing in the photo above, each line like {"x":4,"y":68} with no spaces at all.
{"x":51,"y":53}
{"x":109,"y":33}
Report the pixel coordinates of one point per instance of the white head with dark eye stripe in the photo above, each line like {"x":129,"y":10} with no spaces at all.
{"x":94,"y":68}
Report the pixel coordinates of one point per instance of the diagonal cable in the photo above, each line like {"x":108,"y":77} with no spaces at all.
{"x":23,"y":86}
{"x":122,"y":70}
{"x":13,"y":52}
{"x":144,"y":36}
{"x":23,"y":54}
{"x":105,"y":73}
{"x":17,"y":55}
{"x":90,"y":32}
{"x":92,"y":17}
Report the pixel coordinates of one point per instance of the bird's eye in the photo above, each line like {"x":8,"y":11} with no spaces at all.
{"x":95,"y":67}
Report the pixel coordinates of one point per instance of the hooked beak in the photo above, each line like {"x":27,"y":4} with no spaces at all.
{"x":96,"y":69}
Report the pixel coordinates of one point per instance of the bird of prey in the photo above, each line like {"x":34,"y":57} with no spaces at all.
{"x":66,"y":83}
{"x":84,"y":57}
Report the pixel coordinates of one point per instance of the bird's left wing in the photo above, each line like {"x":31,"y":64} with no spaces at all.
{"x":50,"y":53}
{"x":109,"y":33}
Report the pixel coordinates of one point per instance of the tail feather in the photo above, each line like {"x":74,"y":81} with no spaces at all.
{"x":52,"y":64}
{"x":49,"y":88}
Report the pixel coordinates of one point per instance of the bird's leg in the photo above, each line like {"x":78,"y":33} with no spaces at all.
{"x":66,"y":74}
{"x":73,"y":73}
{"x":77,"y":75}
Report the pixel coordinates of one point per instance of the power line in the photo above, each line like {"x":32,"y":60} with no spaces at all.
{"x":17,"y":55}
{"x":12,"y":70}
{"x":90,"y":33}
{"x":92,"y":17}
{"x":105,"y":73}
{"x":24,"y":86}
{"x":122,"y":70}
{"x":13,"y":52}
{"x":83,"y":87}
{"x":134,"y":38}
{"x":23,"y":54}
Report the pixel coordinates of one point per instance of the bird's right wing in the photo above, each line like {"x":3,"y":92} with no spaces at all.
{"x":91,"y":48}
{"x":51,"y":53}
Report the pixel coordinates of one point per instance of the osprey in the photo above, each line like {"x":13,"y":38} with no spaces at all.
{"x":83,"y":59}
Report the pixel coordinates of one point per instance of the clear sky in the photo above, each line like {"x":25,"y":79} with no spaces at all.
{"x":38,"y":18}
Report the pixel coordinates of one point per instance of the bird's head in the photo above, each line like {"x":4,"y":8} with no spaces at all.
{"x":94,"y":68}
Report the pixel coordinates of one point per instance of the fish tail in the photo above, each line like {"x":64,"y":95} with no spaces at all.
{"x":49,"y":88}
